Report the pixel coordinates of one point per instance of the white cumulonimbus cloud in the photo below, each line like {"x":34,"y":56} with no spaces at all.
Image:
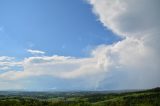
{"x":137,"y":55}
{"x":133,"y":62}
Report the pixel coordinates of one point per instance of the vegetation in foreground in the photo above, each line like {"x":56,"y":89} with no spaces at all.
{"x":139,"y":98}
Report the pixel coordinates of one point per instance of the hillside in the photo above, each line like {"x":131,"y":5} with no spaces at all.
{"x":149,"y":97}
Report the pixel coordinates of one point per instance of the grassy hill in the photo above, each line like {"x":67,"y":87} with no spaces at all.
{"x":135,"y":98}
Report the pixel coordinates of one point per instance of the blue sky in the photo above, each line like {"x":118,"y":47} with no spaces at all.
{"x":79,"y":44}
{"x":59,"y":27}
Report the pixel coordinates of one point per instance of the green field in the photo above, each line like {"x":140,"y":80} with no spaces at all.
{"x":93,"y":98}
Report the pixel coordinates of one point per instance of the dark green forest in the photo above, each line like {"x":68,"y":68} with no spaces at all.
{"x":93,"y":98}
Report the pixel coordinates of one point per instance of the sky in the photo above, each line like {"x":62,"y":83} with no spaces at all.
{"x":79,"y":44}
{"x":57,"y":27}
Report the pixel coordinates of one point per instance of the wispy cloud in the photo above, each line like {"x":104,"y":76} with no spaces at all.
{"x":7,"y":63}
{"x":35,"y":51}
{"x":6,"y":58}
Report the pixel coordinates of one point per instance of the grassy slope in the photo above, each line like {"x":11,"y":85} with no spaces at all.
{"x":142,"y":98}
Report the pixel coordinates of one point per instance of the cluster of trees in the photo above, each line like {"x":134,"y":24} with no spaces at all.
{"x":142,"y":98}
{"x":41,"y":103}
